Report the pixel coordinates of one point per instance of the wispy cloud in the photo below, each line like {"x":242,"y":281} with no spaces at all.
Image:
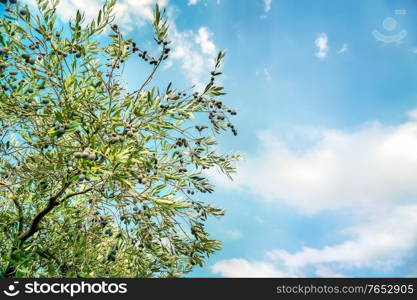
{"x":192,"y":2}
{"x":234,"y":234}
{"x":203,"y":38}
{"x":194,"y":51}
{"x":322,"y":46}
{"x":267,"y":5}
{"x":265,"y":72}
{"x":343,"y":49}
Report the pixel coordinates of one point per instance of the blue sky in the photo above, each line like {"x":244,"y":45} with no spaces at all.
{"x":327,"y":125}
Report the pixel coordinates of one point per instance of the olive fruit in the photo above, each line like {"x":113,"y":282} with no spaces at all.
{"x":77,"y":155}
{"x":111,"y":257}
{"x":91,"y":156}
{"x":24,"y":11}
{"x":84,"y":155}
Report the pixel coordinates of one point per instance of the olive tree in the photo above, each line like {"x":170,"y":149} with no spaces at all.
{"x":100,"y":178}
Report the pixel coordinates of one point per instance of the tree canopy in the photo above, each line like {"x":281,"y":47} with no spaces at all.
{"x":98,"y":179}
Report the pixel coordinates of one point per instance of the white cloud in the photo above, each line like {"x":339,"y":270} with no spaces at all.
{"x":322,"y":46}
{"x":267,"y":5}
{"x":367,"y":175}
{"x":371,"y":167}
{"x":203,"y":38}
{"x":195,"y":52}
{"x":192,"y":2}
{"x":238,"y":267}
{"x":380,"y":243}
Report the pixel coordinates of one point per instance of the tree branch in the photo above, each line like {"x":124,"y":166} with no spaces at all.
{"x":52,"y":203}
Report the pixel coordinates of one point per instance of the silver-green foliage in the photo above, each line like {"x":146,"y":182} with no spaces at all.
{"x":97,"y":180}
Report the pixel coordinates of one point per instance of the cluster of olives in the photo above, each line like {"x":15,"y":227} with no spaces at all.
{"x":115,"y":138}
{"x":164,"y":107}
{"x":232,"y":112}
{"x":59,"y":52}
{"x":134,"y":49}
{"x":129,"y":132}
{"x":112,"y":256}
{"x":103,"y":221}
{"x":219,"y":116}
{"x":142,"y":180}
{"x":83,"y":177}
{"x":28,"y":59}
{"x":218,"y":104}
{"x":85,"y":155}
{"x":234,"y":130}
{"x":183,"y":170}
{"x":61,"y":129}
{"x":144,"y":54}
{"x":181,"y":142}
{"x":34,"y":46}
{"x":216,"y":115}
